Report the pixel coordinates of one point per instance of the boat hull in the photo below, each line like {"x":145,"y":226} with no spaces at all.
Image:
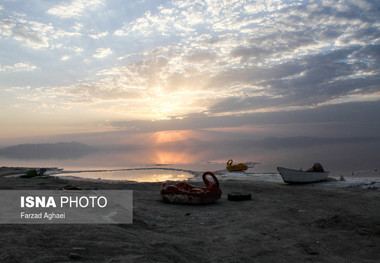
{"x":295,"y":176}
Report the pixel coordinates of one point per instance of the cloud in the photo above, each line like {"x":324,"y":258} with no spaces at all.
{"x":65,"y":57}
{"x":6,"y":27}
{"x":248,"y":52}
{"x":202,"y":57}
{"x":61,"y":34}
{"x":34,"y":34}
{"x":98,"y":36}
{"x":175,"y":19}
{"x":147,"y":25}
{"x":32,"y":38}
{"x":74,"y":9}
{"x":272,"y":56}
{"x":246,"y":104}
{"x":360,"y":118}
{"x":18,"y":67}
{"x":102,"y":52}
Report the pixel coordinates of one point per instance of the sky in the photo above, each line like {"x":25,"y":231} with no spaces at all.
{"x":71,"y":69}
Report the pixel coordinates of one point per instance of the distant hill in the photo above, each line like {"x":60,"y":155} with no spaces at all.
{"x":61,"y":150}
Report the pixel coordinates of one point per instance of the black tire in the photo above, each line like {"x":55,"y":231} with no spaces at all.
{"x":239,"y":196}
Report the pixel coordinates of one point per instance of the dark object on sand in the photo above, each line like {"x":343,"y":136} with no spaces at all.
{"x":33,"y":173}
{"x":70,"y":187}
{"x":309,"y":249}
{"x":296,"y":176}
{"x":74,"y":256}
{"x":184,"y":193}
{"x":236,"y":167}
{"x":236,"y":196}
{"x":317,"y":167}
{"x":29,"y":174}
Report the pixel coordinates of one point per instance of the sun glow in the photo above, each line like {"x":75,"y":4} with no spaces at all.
{"x":165,"y":110}
{"x":170,"y":136}
{"x":171,"y":157}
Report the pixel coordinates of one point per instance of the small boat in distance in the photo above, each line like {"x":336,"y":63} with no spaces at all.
{"x":236,"y":167}
{"x":292,"y":176}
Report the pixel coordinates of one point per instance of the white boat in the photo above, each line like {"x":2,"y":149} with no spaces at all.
{"x":296,"y":176}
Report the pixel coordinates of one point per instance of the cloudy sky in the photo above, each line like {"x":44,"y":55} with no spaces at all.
{"x":71,"y":67}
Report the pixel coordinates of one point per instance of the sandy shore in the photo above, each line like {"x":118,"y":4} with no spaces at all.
{"x":282,"y":223}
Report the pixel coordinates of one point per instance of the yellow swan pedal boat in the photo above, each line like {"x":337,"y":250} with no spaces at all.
{"x":236,"y":167}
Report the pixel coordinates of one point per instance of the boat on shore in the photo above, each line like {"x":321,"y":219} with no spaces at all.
{"x":292,"y":176}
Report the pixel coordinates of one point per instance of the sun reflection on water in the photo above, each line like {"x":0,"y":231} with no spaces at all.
{"x":171,"y":157}
{"x":137,"y":175}
{"x":170,"y":136}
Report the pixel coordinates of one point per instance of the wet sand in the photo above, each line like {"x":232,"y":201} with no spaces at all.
{"x":282,"y":223}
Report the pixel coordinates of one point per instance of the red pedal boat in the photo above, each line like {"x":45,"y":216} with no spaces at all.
{"x":185,"y":193}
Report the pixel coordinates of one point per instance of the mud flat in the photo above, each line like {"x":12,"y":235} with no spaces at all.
{"x":282,"y":223}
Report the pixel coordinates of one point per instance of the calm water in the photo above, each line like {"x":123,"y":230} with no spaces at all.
{"x":339,"y":159}
{"x":137,"y":175}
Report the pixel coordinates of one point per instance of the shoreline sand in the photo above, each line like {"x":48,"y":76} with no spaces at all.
{"x":282,"y":223}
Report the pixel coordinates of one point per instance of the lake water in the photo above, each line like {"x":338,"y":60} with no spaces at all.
{"x":156,"y":164}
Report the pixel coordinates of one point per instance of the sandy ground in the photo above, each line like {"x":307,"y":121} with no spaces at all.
{"x":282,"y":223}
